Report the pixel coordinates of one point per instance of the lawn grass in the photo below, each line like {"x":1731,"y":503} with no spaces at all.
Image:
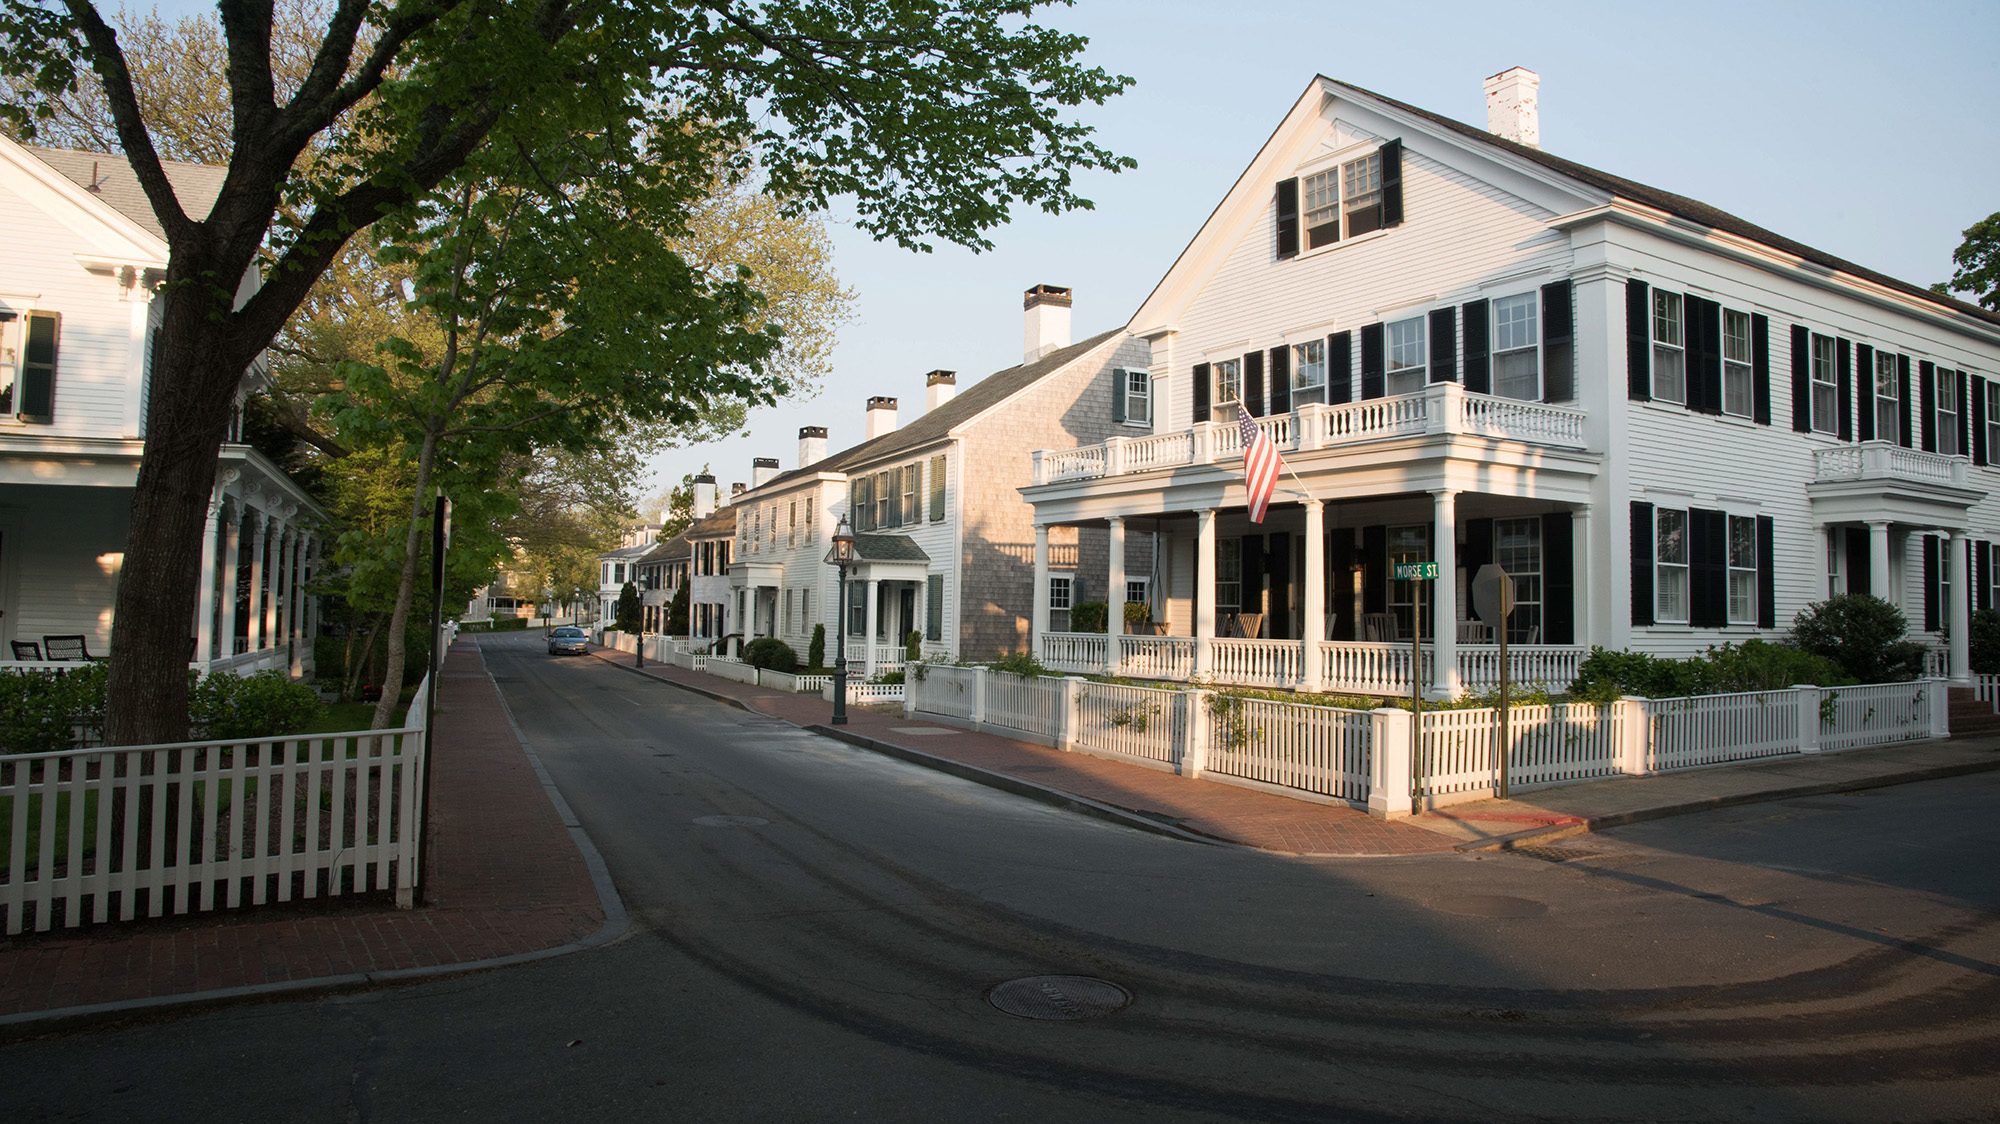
{"x":340,"y":718}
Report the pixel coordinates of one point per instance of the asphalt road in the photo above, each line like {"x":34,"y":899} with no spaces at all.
{"x":816,"y":928}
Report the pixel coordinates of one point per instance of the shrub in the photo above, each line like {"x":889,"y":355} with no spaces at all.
{"x":1985,"y":638}
{"x":677,"y":612}
{"x":1138,"y":612}
{"x":627,"y":616}
{"x":1604,"y":676}
{"x":888,"y":677}
{"x":913,"y":646}
{"x":1758,"y":665}
{"x":266,"y":704}
{"x":510,"y":624}
{"x":1021,"y":664}
{"x":1754,"y":665}
{"x":1863,"y":634}
{"x":43,"y":712}
{"x":816,"y":650}
{"x":1087,"y":616}
{"x":771,"y":654}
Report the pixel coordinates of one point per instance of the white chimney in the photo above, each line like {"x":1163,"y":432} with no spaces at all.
{"x":762,"y":469}
{"x":881,"y":417}
{"x":939,"y":387}
{"x":704,"y":496}
{"x":735,"y":490}
{"x":1047,"y":321}
{"x":812,"y":444}
{"x":1511,"y":106}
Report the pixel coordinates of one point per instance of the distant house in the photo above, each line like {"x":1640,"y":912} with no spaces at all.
{"x":621,"y":565}
{"x":662,"y":572}
{"x":77,"y":321}
{"x":711,"y":539}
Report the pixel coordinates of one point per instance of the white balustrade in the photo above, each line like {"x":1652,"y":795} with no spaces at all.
{"x":1255,"y":663}
{"x":1548,"y":666}
{"x":1886,"y":460}
{"x":1156,"y":657}
{"x":1073,"y":651}
{"x":1367,"y":668}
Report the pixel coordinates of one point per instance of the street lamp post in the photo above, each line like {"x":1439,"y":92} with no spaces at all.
{"x":841,"y":556}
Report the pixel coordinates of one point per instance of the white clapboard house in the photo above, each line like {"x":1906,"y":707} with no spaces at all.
{"x":1672,"y":428}
{"x":77,"y":316}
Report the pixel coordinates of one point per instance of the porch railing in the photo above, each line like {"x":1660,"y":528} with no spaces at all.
{"x":1348,"y":667}
{"x":1886,"y":460}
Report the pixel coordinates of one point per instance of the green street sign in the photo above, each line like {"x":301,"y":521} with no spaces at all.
{"x":1416,"y":571}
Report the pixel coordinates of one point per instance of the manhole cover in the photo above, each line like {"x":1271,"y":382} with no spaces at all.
{"x":1059,"y":998}
{"x":1557,"y":853}
{"x":1490,"y":905}
{"x":730,"y":821}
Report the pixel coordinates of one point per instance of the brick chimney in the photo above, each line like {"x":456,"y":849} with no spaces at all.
{"x":939,"y":387}
{"x":812,"y":444}
{"x":1511,"y":106}
{"x":1047,"y":325}
{"x":881,"y":417}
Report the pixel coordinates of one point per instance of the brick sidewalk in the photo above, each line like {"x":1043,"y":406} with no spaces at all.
{"x":505,"y":879}
{"x":1223,"y":811}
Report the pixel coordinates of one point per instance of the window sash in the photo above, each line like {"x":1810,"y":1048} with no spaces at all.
{"x":1229,"y":574}
{"x":1228,"y":376}
{"x":937,"y":489}
{"x":1947,"y":412}
{"x":1736,"y":374}
{"x":1361,"y":190}
{"x":1139,"y":397}
{"x":1319,"y":199}
{"x":1309,"y":365}
{"x":1825,"y":386}
{"x":1517,"y":549}
{"x":912,"y":487}
{"x":1669,"y":349}
{"x":1671,"y":566}
{"x":1059,"y":591}
{"x":1742,"y":570}
{"x":1888,"y":398}
{"x":1409,"y":356}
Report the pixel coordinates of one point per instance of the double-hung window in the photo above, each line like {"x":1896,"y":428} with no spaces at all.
{"x":1825,"y":386}
{"x":792,"y":529}
{"x":1517,"y":547}
{"x":1229,"y":574}
{"x":1361,"y":193}
{"x":1409,"y":358}
{"x":1742,"y":569}
{"x":1060,"y":586}
{"x":1228,"y":375}
{"x":885,"y":499}
{"x":1836,"y":563}
{"x":1669,"y":349}
{"x":1517,"y":368}
{"x":1138,"y":397}
{"x":1321,"y":204}
{"x":1889,"y":398}
{"x":857,"y":608}
{"x":1309,"y":372}
{"x":1993,"y":425}
{"x":1670,"y":581}
{"x":1947,"y":412}
{"x":912,"y":488}
{"x":1736,"y":390}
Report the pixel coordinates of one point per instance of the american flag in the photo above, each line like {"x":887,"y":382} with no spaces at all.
{"x":1260,"y":464}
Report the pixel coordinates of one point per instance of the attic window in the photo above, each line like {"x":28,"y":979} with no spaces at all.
{"x":1361,"y":191}
{"x":1322,"y":205}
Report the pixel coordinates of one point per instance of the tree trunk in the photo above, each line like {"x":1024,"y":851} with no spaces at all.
{"x":399,"y":618}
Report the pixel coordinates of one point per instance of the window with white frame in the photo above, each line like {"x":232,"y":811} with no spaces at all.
{"x":1229,"y":574}
{"x":1736,"y":389}
{"x":1947,"y":413}
{"x":1407,"y":544}
{"x":618,"y":573}
{"x":1138,"y":397}
{"x":1670,"y":580}
{"x":1321,"y":204}
{"x":793,"y":540}
{"x":1993,"y":425}
{"x":1836,"y":562}
{"x":1944,"y":569}
{"x":1517,"y":548}
{"x":1060,"y":586}
{"x":1742,"y":569}
{"x":1825,"y":386}
{"x":1669,"y":349}
{"x":1309,"y":372}
{"x":857,"y":608}
{"x":1409,"y":358}
{"x":885,"y":499}
{"x":1517,"y":368}
{"x":1228,"y":376}
{"x":912,"y":486}
{"x":806,"y":610}
{"x":1361,"y":193}
{"x":788,"y":612}
{"x":1137,"y":591}
{"x":1889,"y":398}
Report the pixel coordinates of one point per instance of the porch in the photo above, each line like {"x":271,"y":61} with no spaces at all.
{"x":1346,"y":667}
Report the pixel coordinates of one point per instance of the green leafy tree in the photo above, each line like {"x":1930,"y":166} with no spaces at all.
{"x":926,"y":120}
{"x":1978,"y":262}
{"x":1863,"y":634}
{"x":677,"y":612}
{"x":627,"y":616}
{"x":816,"y":649}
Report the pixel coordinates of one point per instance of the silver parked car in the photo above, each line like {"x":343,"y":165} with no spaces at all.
{"x":568,"y":638}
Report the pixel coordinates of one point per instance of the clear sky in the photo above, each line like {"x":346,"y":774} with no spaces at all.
{"x":1865,"y":130}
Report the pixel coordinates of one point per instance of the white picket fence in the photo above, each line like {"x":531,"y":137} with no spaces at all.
{"x":1137,"y":722}
{"x":1311,"y":748}
{"x":118,"y":833}
{"x":1546,"y":745}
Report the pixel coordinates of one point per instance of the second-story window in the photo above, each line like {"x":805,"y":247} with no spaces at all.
{"x":1993,"y":427}
{"x":793,"y":528}
{"x":1742,"y":569}
{"x":1889,"y":398}
{"x":937,"y":489}
{"x":1736,"y":391}
{"x":885,"y":500}
{"x":1669,"y":354}
{"x":1228,"y":375}
{"x":1517,"y":369}
{"x":1947,"y":413}
{"x":1409,"y":359}
{"x":1309,"y":372}
{"x":1825,"y":386}
{"x":913,"y":484}
{"x":1138,"y":396}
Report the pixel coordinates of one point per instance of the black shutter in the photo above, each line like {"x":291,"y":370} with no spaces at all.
{"x":1288,"y":218}
{"x":1930,"y":584}
{"x":1638,"y":345}
{"x":1964,"y":411}
{"x":1340,"y":367}
{"x":1982,"y":574}
{"x":1339,"y":590}
{"x":1860,"y":562}
{"x":1372,"y":361}
{"x":1374,"y":569}
{"x":1801,"y":379}
{"x":1642,"y":563}
{"x":1201,"y":392}
{"x":1767,"y":573}
{"x":1392,"y":183}
{"x":1979,"y":450}
{"x":1281,"y":379}
{"x":1278,"y":565}
{"x":1253,"y":383}
{"x":1903,"y":407}
{"x":1558,"y":579}
{"x":1558,"y":343}
{"x":38,"y":369}
{"x":1864,"y":370}
{"x":1444,"y":345}
{"x":1117,"y":394}
{"x":1704,"y":354}
{"x":1927,"y":406}
{"x":1478,"y":548}
{"x":1478,"y":339}
{"x":1760,"y":367}
{"x":1708,"y":568}
{"x":1251,"y":548}
{"x":1844,"y":372}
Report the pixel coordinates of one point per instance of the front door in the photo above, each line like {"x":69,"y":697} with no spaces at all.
{"x":906,"y":612}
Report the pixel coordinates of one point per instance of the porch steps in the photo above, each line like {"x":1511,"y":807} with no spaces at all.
{"x":1971,"y":718}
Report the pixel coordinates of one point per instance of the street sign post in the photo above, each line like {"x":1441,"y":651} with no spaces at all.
{"x":1493,"y":601}
{"x":1416,"y":573}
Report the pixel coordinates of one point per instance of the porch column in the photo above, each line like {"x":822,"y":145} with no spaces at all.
{"x":1038,"y":597}
{"x":874,"y":618}
{"x":1878,"y":560}
{"x":1444,"y":596}
{"x":294,"y":572}
{"x":1204,"y":591}
{"x":274,"y":573}
{"x":204,"y":611}
{"x":232,"y":549}
{"x":1114,"y":595}
{"x":1961,"y":610}
{"x":1315,"y":600}
{"x":254,"y":626}
{"x":1579,"y":530}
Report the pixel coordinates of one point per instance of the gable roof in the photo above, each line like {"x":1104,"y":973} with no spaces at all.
{"x":667,"y":551}
{"x":718,"y":524}
{"x":109,"y":176}
{"x":889,"y":548}
{"x":937,"y":424}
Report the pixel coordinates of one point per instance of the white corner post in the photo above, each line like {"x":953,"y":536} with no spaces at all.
{"x":1961,"y":610}
{"x":1072,"y":713}
{"x":1634,"y":732}
{"x":232,"y":552}
{"x":204,"y":608}
{"x":1114,"y":595}
{"x":1194,"y":727}
{"x":1204,"y":591}
{"x":1390,"y":780}
{"x":1878,"y":560}
{"x":874,"y":621}
{"x":274,"y":575}
{"x":1808,"y":702}
{"x":1579,"y":533}
{"x":1038,"y":621}
{"x":1314,"y":629}
{"x":1444,"y":591}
